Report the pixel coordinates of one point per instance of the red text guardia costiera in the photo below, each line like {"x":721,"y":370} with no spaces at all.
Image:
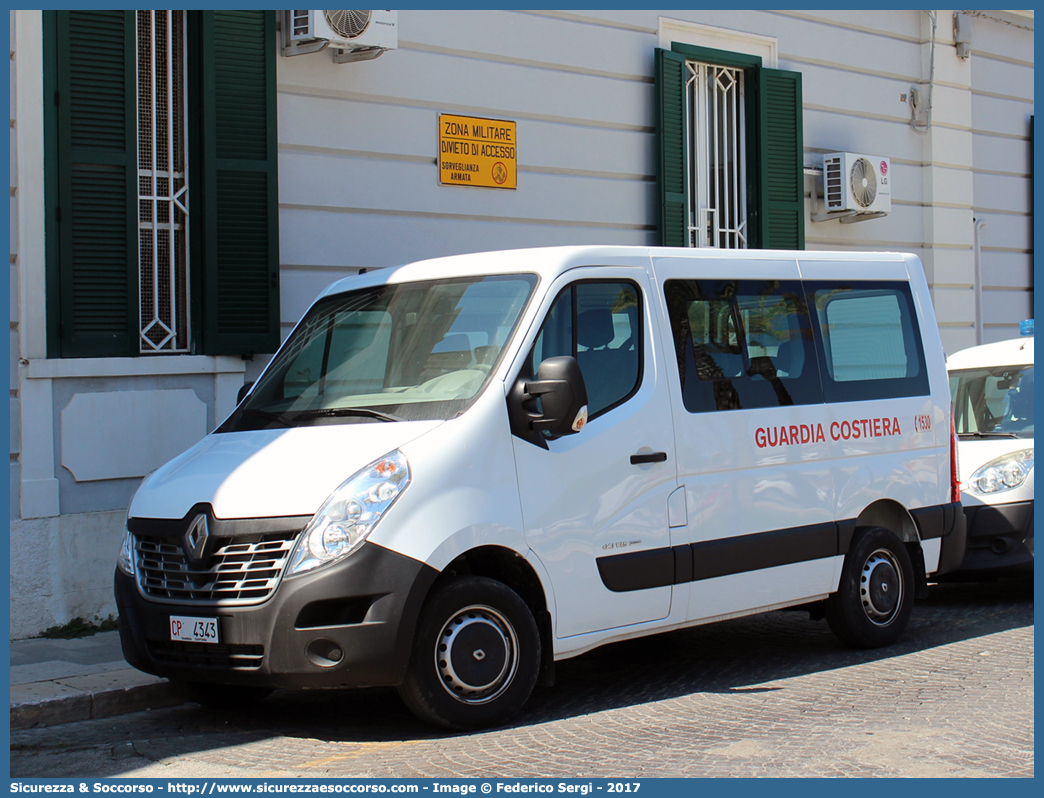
{"x":814,"y":433}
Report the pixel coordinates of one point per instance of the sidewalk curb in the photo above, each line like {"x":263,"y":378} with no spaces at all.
{"x":50,"y":703}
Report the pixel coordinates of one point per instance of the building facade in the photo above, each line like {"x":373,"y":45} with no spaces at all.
{"x":181,"y":191}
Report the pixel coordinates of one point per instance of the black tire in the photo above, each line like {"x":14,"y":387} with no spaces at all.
{"x":476,"y":656}
{"x":224,"y":696}
{"x":874,"y":598}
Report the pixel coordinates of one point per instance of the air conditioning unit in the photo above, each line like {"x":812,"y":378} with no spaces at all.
{"x":353,"y":35}
{"x":859,"y":184}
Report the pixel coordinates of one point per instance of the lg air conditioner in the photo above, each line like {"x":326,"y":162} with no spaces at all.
{"x":859,"y":184}
{"x":352,"y":35}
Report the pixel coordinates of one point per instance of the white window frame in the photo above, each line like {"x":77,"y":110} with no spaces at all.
{"x":670,"y":31}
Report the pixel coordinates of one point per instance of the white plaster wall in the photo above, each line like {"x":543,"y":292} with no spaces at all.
{"x":123,"y":425}
{"x":61,"y":568}
{"x":1001,"y":105}
{"x":33,"y":604}
{"x":580,"y":87}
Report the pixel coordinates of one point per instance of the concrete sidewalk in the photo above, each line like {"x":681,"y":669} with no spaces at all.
{"x":60,"y":681}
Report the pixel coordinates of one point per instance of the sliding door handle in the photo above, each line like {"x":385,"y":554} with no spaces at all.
{"x":651,"y":457}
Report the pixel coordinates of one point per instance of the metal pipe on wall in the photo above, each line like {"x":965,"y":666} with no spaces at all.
{"x":977,"y":252}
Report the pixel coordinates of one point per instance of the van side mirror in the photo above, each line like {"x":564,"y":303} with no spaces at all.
{"x":243,"y":392}
{"x":562,"y":408}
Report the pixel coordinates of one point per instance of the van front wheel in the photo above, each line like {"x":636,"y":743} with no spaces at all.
{"x":874,"y":599}
{"x":475,"y":657}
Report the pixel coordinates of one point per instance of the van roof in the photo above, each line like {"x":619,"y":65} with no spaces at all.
{"x":1016,"y":352}
{"x":551,"y":261}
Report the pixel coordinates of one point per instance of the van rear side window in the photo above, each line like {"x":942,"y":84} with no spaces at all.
{"x":870,"y":347}
{"x":742,"y":344}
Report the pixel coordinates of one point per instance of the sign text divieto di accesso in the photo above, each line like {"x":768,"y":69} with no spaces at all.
{"x":477,"y":152}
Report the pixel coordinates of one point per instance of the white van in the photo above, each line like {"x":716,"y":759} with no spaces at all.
{"x":456,"y":472}
{"x":992,"y":388}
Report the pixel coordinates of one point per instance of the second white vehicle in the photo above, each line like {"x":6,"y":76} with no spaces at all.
{"x":992,"y":388}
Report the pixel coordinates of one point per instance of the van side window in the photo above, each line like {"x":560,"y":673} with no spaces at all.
{"x":742,"y":344}
{"x":598,"y":323}
{"x":869,"y":341}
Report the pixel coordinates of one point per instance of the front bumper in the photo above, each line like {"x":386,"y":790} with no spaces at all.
{"x":346,"y":625}
{"x":1000,"y":537}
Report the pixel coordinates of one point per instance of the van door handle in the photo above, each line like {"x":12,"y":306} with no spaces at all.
{"x":651,"y":457}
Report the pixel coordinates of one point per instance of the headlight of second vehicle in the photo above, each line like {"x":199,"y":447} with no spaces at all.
{"x":1004,"y":473}
{"x":350,"y":513}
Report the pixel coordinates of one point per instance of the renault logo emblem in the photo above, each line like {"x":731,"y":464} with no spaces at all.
{"x":196,"y":537}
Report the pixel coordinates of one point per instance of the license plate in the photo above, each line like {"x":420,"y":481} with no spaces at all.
{"x":193,"y":630}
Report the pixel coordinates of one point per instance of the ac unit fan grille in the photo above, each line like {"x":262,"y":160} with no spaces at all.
{"x":349,"y":24}
{"x":864,"y":182}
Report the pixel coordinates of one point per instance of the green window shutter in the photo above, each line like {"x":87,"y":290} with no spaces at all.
{"x":781,"y":192}
{"x":673,"y":161}
{"x":92,"y":220}
{"x":240,"y":300}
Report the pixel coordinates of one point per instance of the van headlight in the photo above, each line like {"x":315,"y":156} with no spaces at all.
{"x":350,"y":513}
{"x":125,"y":560}
{"x":1004,"y":473}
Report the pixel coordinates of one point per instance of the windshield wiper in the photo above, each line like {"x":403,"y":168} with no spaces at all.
{"x":987,"y":435}
{"x":265,"y":414}
{"x":334,"y":412}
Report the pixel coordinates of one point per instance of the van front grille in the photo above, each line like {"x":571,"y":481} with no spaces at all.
{"x":210,"y":655}
{"x":237,"y":572}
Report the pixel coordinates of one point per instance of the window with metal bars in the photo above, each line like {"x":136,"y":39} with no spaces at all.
{"x":730,"y":151}
{"x":717,"y":144}
{"x":160,"y":171}
{"x":163,"y":196}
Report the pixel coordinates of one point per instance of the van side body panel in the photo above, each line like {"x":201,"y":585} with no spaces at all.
{"x":738,"y":487}
{"x":774,"y":494}
{"x":583,"y":499}
{"x":890,"y":450}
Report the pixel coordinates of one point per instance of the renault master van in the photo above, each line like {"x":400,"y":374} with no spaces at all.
{"x":992,"y":387}
{"x":457,"y":472}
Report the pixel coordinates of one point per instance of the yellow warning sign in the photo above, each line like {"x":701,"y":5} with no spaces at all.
{"x":477,"y":152}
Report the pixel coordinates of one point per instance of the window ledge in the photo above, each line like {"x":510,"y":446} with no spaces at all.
{"x":132,"y":366}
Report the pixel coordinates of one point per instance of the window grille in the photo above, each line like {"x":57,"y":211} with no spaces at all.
{"x":162,"y":183}
{"x":717,"y":140}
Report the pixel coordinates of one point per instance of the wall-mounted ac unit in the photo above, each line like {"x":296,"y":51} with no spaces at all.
{"x":353,"y":35}
{"x":854,"y":183}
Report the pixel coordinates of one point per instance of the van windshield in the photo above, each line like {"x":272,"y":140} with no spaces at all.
{"x":407,"y":351}
{"x":993,"y":402}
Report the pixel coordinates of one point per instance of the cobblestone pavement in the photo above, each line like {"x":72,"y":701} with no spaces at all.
{"x":772,"y":695}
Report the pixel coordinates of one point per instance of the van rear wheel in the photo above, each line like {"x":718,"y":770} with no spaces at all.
{"x":475,"y":657}
{"x":874,"y":598}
